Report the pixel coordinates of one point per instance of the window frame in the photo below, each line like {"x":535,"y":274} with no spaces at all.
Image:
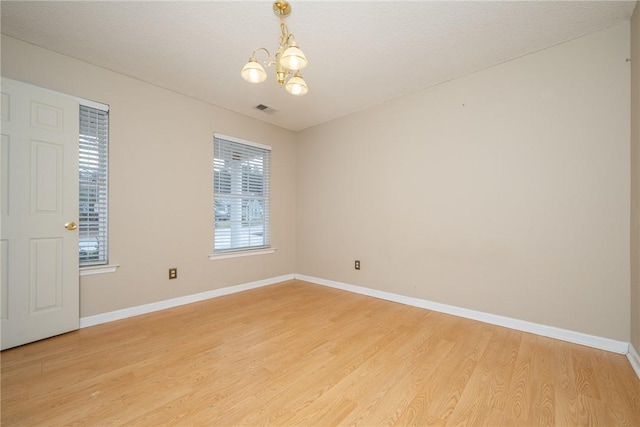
{"x":241,"y":194}
{"x":101,"y":265}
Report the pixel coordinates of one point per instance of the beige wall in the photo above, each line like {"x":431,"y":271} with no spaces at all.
{"x":161,"y":205}
{"x":635,"y":179}
{"x":506,"y":191}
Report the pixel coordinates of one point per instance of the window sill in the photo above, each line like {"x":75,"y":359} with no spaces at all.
{"x":98,"y":269}
{"x":237,"y":254}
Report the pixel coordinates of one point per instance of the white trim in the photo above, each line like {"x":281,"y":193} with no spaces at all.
{"x":82,"y":101}
{"x":608,"y":344}
{"x":236,"y":254}
{"x":98,"y":269}
{"x":92,"y":104}
{"x":520,"y":325}
{"x":175,"y":302}
{"x":241,"y":141}
{"x":634,"y":359}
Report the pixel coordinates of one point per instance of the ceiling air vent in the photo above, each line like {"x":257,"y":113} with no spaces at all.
{"x":265,"y":108}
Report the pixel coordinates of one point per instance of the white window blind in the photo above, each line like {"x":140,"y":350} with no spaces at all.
{"x":93,"y":176}
{"x":241,"y":195}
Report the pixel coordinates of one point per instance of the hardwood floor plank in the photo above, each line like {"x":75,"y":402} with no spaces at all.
{"x":352,"y":359}
{"x":302,"y":354}
{"x":423,"y":362}
{"x":541,"y":409}
{"x":395,"y":373}
{"x":489,"y":384}
{"x":522,"y":389}
{"x":435,"y":402}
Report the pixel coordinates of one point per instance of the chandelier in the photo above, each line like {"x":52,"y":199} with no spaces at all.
{"x":289,"y":59}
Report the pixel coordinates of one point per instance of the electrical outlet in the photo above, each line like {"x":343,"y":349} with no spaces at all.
{"x":357,"y":265}
{"x":173,"y":273}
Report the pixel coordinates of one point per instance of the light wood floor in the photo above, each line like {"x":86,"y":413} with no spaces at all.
{"x":301,"y":354}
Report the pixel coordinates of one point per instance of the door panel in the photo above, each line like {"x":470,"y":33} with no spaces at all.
{"x":40,"y":281}
{"x":46,"y":177}
{"x":4,"y":165}
{"x":4,"y":278}
{"x":45,"y":276}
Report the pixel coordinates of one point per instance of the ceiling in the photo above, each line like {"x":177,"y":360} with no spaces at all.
{"x":361,"y":53}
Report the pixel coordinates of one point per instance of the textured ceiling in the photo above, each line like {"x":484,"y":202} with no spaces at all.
{"x":361,"y":53}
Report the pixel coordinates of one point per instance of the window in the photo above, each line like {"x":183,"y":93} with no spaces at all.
{"x":240,"y":194}
{"x":93,"y":177}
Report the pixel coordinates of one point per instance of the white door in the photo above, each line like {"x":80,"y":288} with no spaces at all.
{"x":39,"y":184}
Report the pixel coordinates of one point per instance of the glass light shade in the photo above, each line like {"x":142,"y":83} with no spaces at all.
{"x":293,"y":58}
{"x":296,"y":85}
{"x":253,"y":72}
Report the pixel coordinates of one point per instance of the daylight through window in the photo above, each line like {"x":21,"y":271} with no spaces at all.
{"x":93,"y":159}
{"x":241,"y":194}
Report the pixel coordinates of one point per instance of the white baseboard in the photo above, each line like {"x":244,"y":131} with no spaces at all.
{"x":634,"y":359}
{"x":607,"y":344}
{"x":175,"y":302}
{"x":521,"y":325}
